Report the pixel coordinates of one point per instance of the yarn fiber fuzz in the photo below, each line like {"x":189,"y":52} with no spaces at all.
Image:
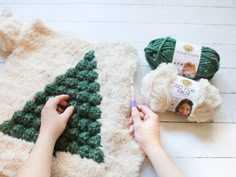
{"x":157,"y":88}
{"x":35,"y":55}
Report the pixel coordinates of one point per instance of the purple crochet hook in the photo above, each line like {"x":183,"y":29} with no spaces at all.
{"x":133,"y":103}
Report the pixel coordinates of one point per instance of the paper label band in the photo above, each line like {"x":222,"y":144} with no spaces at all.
{"x":184,"y":94}
{"x":186,"y":58}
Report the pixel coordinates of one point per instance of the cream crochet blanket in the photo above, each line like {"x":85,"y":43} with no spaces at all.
{"x":35,"y":55}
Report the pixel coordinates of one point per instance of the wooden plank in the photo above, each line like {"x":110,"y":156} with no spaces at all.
{"x":202,"y":3}
{"x":139,"y":32}
{"x":192,"y":140}
{"x":234,"y":118}
{"x":1,"y":60}
{"x":226,"y":52}
{"x":2,"y":67}
{"x":121,"y":13}
{"x":224,"y":80}
{"x":195,"y":167}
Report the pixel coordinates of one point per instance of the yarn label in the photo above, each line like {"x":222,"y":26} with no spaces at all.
{"x":184,"y":94}
{"x":186,"y":58}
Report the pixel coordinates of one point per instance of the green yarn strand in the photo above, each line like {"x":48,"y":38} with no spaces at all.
{"x":161,"y":50}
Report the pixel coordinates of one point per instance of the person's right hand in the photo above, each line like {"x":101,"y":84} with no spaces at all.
{"x":144,"y":127}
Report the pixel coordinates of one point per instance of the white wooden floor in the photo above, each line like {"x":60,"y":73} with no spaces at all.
{"x":206,"y":149}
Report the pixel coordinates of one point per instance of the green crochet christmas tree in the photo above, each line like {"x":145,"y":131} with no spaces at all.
{"x":81,"y":135}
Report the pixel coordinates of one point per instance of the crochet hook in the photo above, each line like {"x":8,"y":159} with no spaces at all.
{"x":133,"y":103}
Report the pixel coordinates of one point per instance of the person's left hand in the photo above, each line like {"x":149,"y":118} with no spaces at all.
{"x":53,"y":119}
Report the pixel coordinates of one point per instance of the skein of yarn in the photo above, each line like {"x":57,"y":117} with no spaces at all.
{"x":163,"y":90}
{"x":161,"y":50}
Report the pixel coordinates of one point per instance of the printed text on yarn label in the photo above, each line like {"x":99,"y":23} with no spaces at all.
{"x":184,"y":94}
{"x":186,"y":58}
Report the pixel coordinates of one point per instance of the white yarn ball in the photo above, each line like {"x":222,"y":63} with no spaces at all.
{"x":157,"y":92}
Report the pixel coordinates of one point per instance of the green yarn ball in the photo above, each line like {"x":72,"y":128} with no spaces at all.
{"x":83,"y":124}
{"x":29,"y":106}
{"x":83,"y":109}
{"x":60,"y":79}
{"x":89,"y":56}
{"x":71,"y":82}
{"x":73,"y":121}
{"x":17,"y":131}
{"x":92,"y":76}
{"x":94,"y":112}
{"x":73,"y":147}
{"x":97,"y":155}
{"x":95,"y":99}
{"x":29,"y":135}
{"x":40,"y":98}
{"x":84,"y":151}
{"x":94,"y":128}
{"x":82,"y":75}
{"x":83,"y":138}
{"x":161,"y":50}
{"x":94,"y":141}
{"x":73,"y":133}
{"x":93,"y":87}
{"x":61,"y":89}
{"x":28,"y":120}
{"x":82,"y":86}
{"x":50,"y":89}
{"x":83,"y":96}
{"x":82,"y":65}
{"x":71,"y":72}
{"x":6,"y":126}
{"x":72,"y":93}
{"x":18,"y":117}
{"x":92,"y":65}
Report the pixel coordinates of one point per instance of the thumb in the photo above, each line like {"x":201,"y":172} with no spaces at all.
{"x":67,"y":113}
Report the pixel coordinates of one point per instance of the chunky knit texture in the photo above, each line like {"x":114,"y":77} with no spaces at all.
{"x":35,"y":55}
{"x":157,"y":91}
